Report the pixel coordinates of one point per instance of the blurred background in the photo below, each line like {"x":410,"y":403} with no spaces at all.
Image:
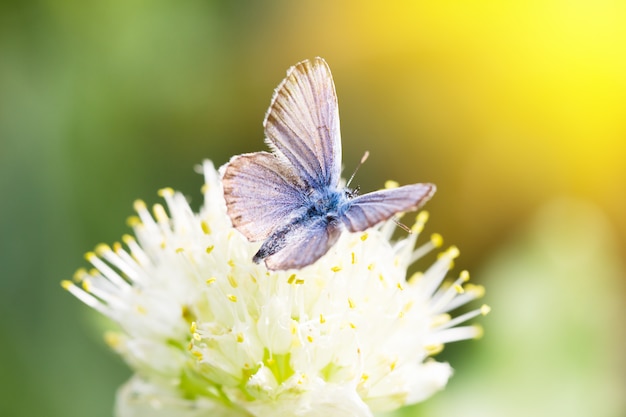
{"x":516,"y":110}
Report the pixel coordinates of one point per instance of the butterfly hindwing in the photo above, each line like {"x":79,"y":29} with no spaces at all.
{"x":299,"y":243}
{"x":302,"y":123}
{"x":261,"y":193}
{"x":370,"y":209}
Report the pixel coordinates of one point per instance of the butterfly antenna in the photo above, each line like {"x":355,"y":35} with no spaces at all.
{"x":363,"y":159}
{"x":402,"y":226}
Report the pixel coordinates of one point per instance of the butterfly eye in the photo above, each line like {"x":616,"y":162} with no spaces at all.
{"x":352,"y":193}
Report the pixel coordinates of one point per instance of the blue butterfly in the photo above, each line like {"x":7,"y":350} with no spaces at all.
{"x":291,"y":198}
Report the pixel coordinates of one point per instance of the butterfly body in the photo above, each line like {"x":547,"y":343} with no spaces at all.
{"x":291,"y":198}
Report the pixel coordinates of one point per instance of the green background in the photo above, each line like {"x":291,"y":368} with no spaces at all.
{"x":516,"y":110}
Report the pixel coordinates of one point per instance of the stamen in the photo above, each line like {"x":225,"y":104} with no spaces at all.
{"x":160,"y":214}
{"x":107,"y":271}
{"x":165,"y":192}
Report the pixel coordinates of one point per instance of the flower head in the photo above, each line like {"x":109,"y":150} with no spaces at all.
{"x":209,"y":332}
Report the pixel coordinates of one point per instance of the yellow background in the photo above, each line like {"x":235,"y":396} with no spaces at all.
{"x":516,"y":110}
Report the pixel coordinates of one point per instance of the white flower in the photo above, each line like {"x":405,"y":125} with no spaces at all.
{"x":210,"y":333}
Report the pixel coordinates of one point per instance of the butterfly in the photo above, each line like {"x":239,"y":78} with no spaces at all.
{"x":291,"y":198}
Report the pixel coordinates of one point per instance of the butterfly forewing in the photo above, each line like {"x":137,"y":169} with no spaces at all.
{"x":370,"y":209}
{"x":261,"y":194}
{"x":302,"y":123}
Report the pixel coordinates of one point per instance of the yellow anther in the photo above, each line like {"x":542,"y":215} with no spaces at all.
{"x":381,"y":278}
{"x":79,"y":274}
{"x":415,"y":278}
{"x":322,"y":319}
{"x":453,"y":252}
{"x":141,"y":310}
{"x":239,"y":337}
{"x":485,"y":309}
{"x":211,"y":280}
{"x":336,"y":268}
{"x":159,"y":213}
{"x":117,"y":247}
{"x":370,"y":267}
{"x":94,"y":272}
{"x":299,"y":281}
{"x":197,"y":337}
{"x":133,"y":221}
{"x":232,"y":298}
{"x":434,"y":349}
{"x":139,"y":205}
{"x":309,"y":338}
{"x":90,"y":255}
{"x":112,"y":339}
{"x":102,"y":248}
{"x":352,"y":325}
{"x":204,"y":188}
{"x":231,"y":263}
{"x":393,"y":365}
{"x":417,"y":228}
{"x":291,"y":278}
{"x":178,"y":250}
{"x":189,"y":346}
{"x":353,"y":258}
{"x":479,"y":331}
{"x":128,"y":240}
{"x":459,"y":289}
{"x":391,"y":184}
{"x":400,"y":286}
{"x":364,"y":377}
{"x":165,"y":192}
{"x":436,"y":239}
{"x":163,"y":245}
{"x":67,"y":284}
{"x":197,"y":354}
{"x":205,"y":227}
{"x":193,"y":327}
{"x":477,"y":290}
{"x":209,"y":249}
{"x":232,"y":281}
{"x":364,"y":236}
{"x":86,"y":284}
{"x":464,"y":276}
{"x":351,"y":303}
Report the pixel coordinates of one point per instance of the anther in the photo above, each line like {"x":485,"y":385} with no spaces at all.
{"x":389,"y":184}
{"x":165,"y":192}
{"x":436,"y":239}
{"x":139,"y":205}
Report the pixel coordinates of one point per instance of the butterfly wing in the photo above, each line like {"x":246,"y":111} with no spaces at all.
{"x":367,"y":210}
{"x":302,"y":123}
{"x":299,"y":243}
{"x":261,"y":194}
